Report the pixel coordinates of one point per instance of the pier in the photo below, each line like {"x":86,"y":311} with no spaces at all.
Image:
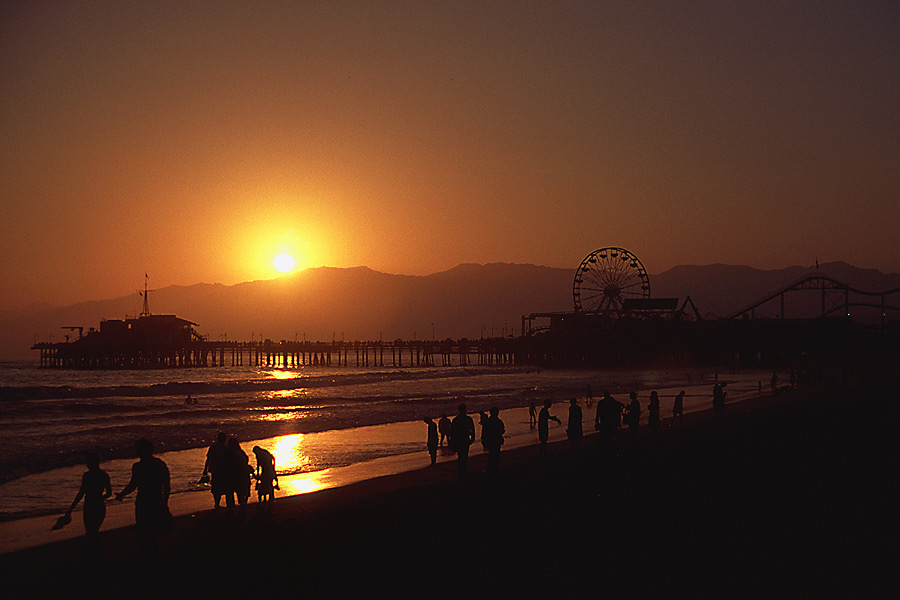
{"x":282,"y":355}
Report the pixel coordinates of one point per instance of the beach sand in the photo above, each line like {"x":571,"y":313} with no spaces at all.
{"x":793,"y":493}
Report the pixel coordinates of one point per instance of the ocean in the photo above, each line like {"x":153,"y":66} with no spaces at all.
{"x":314,"y":418}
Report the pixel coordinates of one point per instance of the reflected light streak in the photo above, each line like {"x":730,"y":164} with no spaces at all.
{"x":278,"y":374}
{"x":302,"y":484}
{"x":287,"y":413}
{"x":288,"y":394}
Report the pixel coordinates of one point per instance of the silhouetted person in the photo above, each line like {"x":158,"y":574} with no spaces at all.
{"x":216,"y":468}
{"x":544,"y":418}
{"x":774,"y":381}
{"x":95,"y":488}
{"x":482,"y":419}
{"x":150,"y":476}
{"x":719,"y":398}
{"x":432,"y":441}
{"x":574,"y":426}
{"x":462,"y":434}
{"x":492,"y":437}
{"x":444,"y":428}
{"x":633,"y":412}
{"x":607,"y":416}
{"x":239,"y":473}
{"x":589,"y":396}
{"x":532,"y":415}
{"x":266,"y":478}
{"x":678,"y":407}
{"x":653,"y":412}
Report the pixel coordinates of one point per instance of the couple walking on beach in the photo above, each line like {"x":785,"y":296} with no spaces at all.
{"x":228,"y":471}
{"x":462,"y":436}
{"x":149,"y":476}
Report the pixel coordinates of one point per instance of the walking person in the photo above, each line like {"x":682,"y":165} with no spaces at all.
{"x":95,"y":489}
{"x":482,"y":420}
{"x":444,"y":429}
{"x":240,"y":471}
{"x":678,"y":408}
{"x":575,"y":426}
{"x":432,"y":440}
{"x":492,"y":436}
{"x":544,"y":418}
{"x":719,"y":395}
{"x":215,"y":468}
{"x":633,"y":412}
{"x":462,"y":434}
{"x":150,"y":476}
{"x":653,"y":412}
{"x":532,"y":415}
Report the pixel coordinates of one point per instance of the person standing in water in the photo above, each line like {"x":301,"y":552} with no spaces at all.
{"x":95,"y":489}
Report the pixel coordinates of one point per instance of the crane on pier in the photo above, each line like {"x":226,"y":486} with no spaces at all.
{"x":73,"y":328}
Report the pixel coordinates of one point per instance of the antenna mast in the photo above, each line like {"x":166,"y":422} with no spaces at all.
{"x":146,"y":294}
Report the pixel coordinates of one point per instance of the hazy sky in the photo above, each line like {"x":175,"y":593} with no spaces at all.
{"x":195,"y":141}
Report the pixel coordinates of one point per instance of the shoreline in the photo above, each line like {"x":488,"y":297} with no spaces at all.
{"x":765,"y":486}
{"x":196,"y":429}
{"x":395,"y":438}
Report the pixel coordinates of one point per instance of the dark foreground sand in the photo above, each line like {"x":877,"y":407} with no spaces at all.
{"x":794,"y":494}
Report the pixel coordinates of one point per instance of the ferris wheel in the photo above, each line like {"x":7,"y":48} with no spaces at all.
{"x":606,"y":277}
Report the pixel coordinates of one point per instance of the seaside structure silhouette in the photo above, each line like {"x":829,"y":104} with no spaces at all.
{"x":615,"y":322}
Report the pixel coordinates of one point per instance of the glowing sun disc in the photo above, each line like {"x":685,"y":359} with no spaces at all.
{"x":283,"y":263}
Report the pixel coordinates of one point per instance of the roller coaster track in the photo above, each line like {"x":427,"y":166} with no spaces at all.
{"x":837,"y":297}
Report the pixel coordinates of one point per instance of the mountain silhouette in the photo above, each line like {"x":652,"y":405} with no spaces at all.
{"x":357,"y":303}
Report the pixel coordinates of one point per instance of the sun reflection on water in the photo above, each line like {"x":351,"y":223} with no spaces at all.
{"x":289,"y":454}
{"x":282,"y":394}
{"x":302,"y":484}
{"x":279,"y":374}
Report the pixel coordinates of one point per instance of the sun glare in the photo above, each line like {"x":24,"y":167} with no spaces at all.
{"x":283,"y":263}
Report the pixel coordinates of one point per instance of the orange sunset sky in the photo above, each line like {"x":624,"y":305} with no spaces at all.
{"x":195,"y":141}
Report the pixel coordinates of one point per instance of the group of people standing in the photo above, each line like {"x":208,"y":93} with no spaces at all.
{"x":459,"y":434}
{"x":610,"y":415}
{"x":228,"y":471}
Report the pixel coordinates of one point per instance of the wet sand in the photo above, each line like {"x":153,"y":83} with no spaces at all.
{"x":788,"y":494}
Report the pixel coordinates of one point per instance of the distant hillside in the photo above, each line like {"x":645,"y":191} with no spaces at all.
{"x":359,"y":303}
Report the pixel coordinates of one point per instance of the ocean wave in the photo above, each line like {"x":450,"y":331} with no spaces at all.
{"x":302,"y":380}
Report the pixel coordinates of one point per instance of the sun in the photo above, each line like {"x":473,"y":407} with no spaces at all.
{"x":283,"y":263}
